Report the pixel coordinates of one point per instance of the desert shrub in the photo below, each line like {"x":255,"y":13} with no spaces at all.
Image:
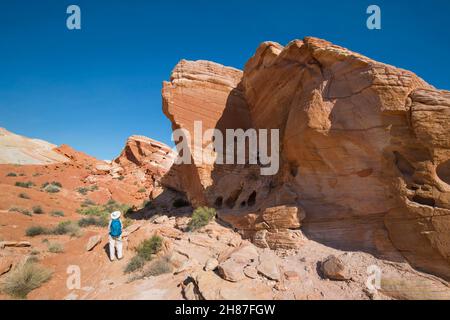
{"x":120,"y":178}
{"x":149,"y":247}
{"x":93,"y":221}
{"x":36,"y":231}
{"x":21,"y":174}
{"x":34,"y":252}
{"x":201,"y":217}
{"x":25,"y":278}
{"x":158,"y":267}
{"x":32,"y":259}
{"x":179,"y":203}
{"x":53,"y":183}
{"x":87,"y":203}
{"x":27,"y":184}
{"x":20,"y":210}
{"x":51,"y":188}
{"x":66,"y":227}
{"x":37,"y":174}
{"x":57,"y":213}
{"x":38,"y":210}
{"x":142,"y":190}
{"x":84,"y":190}
{"x":91,"y":211}
{"x":55,"y":247}
{"x":135,"y":263}
{"x":103,"y":210}
{"x":12,"y":174}
{"x":24,"y":196}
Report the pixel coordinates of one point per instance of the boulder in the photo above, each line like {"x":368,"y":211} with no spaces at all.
{"x":231,"y":270}
{"x":211,"y":287}
{"x":93,"y":241}
{"x":268,"y":266}
{"x":161,"y":220}
{"x":334,"y":268}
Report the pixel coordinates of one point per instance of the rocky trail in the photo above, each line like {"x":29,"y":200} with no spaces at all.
{"x":215,"y":263}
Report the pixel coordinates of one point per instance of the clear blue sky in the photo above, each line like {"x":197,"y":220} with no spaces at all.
{"x":93,"y":88}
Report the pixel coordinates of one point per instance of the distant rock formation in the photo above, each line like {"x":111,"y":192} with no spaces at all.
{"x":365,"y":151}
{"x":16,"y":149}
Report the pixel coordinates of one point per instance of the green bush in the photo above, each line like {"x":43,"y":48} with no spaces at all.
{"x":158,"y":267}
{"x":24,"y":196}
{"x":20,"y":210}
{"x":103,"y":210}
{"x":87,"y":203}
{"x":36,"y":231}
{"x":149,"y":247}
{"x":52,"y":189}
{"x":38,"y":210}
{"x":32,"y":259}
{"x":12,"y":174}
{"x":27,"y":184}
{"x":57,"y":213}
{"x":55,"y":247}
{"x":84,"y":190}
{"x":93,"y":221}
{"x":135,"y":263}
{"x":179,"y":203}
{"x":142,"y":190}
{"x":53,"y":183}
{"x":66,"y":227}
{"x":25,"y":278}
{"x":201,"y":217}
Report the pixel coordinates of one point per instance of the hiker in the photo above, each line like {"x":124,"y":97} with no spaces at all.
{"x":115,"y":236}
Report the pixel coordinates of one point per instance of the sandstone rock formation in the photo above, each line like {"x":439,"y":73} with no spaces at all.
{"x":16,"y":149}
{"x":147,"y":154}
{"x":363,"y":146}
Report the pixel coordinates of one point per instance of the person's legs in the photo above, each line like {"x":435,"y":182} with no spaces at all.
{"x":112,"y":250}
{"x":119,"y":248}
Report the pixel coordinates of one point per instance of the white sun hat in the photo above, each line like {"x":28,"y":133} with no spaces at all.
{"x":115,"y":215}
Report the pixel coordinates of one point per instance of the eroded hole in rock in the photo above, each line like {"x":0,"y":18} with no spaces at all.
{"x":403,"y":165}
{"x":252,"y":199}
{"x":443,"y":171}
{"x":293,"y":169}
{"x":218,"y":203}
{"x":231,"y":201}
{"x":424,"y":200}
{"x":243,"y":203}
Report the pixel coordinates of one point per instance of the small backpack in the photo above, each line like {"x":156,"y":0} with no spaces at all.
{"x":116,"y":228}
